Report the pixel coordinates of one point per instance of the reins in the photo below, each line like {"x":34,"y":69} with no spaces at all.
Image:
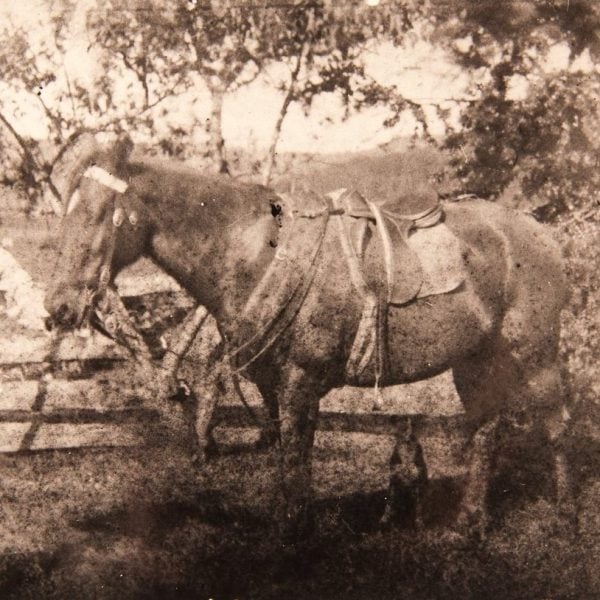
{"x":295,"y":300}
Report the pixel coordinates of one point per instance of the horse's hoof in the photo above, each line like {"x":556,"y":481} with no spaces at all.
{"x":199,"y":459}
{"x":454,"y":538}
{"x":567,"y":512}
{"x":204,"y":455}
{"x":404,"y":513}
{"x":391,"y":519}
{"x":472,"y":525}
{"x":294,"y":528}
{"x":386,"y":520}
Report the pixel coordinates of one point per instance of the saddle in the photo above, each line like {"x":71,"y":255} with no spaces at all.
{"x":391,"y":261}
{"x":393,"y":222}
{"x":391,"y":264}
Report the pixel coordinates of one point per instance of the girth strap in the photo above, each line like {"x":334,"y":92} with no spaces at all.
{"x":370,"y":337}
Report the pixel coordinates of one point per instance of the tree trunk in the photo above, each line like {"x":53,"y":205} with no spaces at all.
{"x":272,"y":153}
{"x":216,"y":141}
{"x":289,"y":97}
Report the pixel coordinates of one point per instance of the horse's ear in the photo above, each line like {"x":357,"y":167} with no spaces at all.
{"x":123,"y":148}
{"x":70,"y":164}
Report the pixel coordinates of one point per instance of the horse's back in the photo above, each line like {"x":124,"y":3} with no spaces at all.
{"x":532,"y":257}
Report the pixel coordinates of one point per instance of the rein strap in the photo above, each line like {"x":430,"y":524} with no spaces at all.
{"x":106,"y":179}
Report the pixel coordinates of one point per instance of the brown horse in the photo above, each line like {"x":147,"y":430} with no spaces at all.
{"x":498,"y":332}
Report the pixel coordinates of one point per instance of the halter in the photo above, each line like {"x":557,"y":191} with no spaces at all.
{"x":103,"y":177}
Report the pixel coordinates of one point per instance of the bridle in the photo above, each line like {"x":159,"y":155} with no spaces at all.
{"x":103,"y":177}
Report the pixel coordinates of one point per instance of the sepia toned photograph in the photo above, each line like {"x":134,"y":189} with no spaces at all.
{"x":300,"y":300}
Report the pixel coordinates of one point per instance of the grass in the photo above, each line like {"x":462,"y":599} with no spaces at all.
{"x":146,"y":524}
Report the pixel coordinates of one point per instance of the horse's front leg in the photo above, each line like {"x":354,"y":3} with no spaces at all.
{"x":298,"y":396}
{"x":207,"y":397}
{"x":204,"y":372}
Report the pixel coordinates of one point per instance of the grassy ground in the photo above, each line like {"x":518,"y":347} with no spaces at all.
{"x":145,"y":524}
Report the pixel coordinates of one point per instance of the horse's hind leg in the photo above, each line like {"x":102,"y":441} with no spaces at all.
{"x":550,"y":417}
{"x":480,"y":391}
{"x":500,"y":384}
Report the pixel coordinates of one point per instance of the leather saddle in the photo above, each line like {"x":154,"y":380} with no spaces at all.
{"x":391,"y":223}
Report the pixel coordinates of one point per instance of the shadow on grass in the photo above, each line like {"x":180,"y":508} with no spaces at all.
{"x":205,"y":548}
{"x":163,"y":543}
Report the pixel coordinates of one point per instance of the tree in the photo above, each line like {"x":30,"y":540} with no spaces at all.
{"x":28,"y":68}
{"x":34,"y":70}
{"x":227,"y":45}
{"x":322,"y":44}
{"x":541,"y":142}
{"x":537,"y":146}
{"x":182,"y":43}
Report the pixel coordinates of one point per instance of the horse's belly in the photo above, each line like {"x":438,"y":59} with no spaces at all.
{"x":433,"y":334}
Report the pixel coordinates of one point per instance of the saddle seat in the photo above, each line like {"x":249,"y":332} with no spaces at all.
{"x":406,"y":207}
{"x":395,"y":224}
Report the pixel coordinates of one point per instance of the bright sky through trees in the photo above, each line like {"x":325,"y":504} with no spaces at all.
{"x":421,"y":73}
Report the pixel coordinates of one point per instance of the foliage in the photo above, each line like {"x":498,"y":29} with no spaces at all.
{"x":546,"y":145}
{"x":526,"y":130}
{"x":66,"y":106}
{"x":529,"y":125}
{"x":529,"y":137}
{"x":579,"y":234}
{"x":148,"y":52}
{"x":227,"y":45}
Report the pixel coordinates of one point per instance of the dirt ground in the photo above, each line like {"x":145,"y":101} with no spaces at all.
{"x":147,"y":523}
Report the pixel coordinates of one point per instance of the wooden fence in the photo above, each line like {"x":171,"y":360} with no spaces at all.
{"x":66,"y":397}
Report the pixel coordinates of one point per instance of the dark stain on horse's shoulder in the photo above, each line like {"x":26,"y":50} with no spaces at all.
{"x":277,"y":212}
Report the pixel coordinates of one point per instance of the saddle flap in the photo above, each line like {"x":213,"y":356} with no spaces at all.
{"x":400,"y":280}
{"x":404,"y":275}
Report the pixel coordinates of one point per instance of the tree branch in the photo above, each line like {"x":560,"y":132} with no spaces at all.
{"x":288,"y":99}
{"x":71,"y":97}
{"x":34,"y":165}
{"x":141,"y":76}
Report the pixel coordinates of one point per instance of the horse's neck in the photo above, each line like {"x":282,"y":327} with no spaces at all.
{"x":218,"y":254}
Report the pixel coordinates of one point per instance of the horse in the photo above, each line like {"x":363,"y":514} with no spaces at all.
{"x":498,"y":332}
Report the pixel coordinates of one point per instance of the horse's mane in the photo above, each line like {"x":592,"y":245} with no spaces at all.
{"x":161,"y":178}
{"x":173,"y":169}
{"x":142,"y":163}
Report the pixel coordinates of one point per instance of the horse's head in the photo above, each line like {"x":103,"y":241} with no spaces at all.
{"x":99,"y":213}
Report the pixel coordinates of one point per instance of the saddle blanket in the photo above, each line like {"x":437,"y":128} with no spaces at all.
{"x":440,"y":254}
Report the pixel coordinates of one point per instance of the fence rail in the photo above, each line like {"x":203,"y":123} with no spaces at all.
{"x":53,"y":410}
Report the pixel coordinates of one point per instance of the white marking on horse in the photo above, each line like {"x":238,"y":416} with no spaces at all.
{"x":106,"y":179}
{"x":73,"y":201}
{"x":118,"y":217}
